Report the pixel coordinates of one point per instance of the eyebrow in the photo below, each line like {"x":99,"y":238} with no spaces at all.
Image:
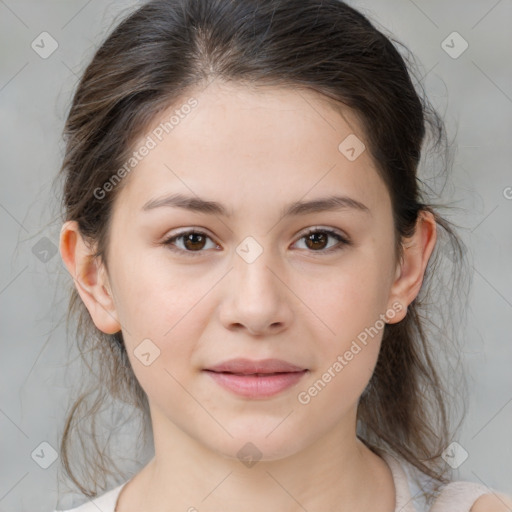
{"x":199,"y":205}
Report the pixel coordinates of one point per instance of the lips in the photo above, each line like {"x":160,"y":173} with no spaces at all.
{"x":252,"y":379}
{"x":242,"y":366}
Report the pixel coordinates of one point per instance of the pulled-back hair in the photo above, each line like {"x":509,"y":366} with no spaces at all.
{"x":169,"y":47}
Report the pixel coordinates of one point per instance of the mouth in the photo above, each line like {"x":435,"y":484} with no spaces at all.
{"x":243,"y":366}
{"x":261,"y":374}
{"x":256,"y":385}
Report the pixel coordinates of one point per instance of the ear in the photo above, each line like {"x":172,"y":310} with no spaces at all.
{"x":411,"y":269}
{"x":90,"y":278}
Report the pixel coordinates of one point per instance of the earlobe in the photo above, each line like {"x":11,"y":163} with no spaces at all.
{"x":416,"y":253}
{"x":90,"y":278}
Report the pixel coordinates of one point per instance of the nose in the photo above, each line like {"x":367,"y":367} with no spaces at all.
{"x":256,"y":298}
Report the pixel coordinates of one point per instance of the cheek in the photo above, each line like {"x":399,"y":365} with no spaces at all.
{"x":348,"y":315}
{"x":347,"y":301}
{"x":336,"y":387}
{"x":153,"y":296}
{"x":162,"y":352}
{"x":161,"y":315}
{"x":345,"y":364}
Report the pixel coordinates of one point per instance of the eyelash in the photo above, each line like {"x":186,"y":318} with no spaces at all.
{"x":343,"y":241}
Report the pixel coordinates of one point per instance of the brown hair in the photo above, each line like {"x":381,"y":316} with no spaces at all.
{"x":168,"y":47}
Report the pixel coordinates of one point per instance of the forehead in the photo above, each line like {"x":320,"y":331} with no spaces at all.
{"x":235,"y":144}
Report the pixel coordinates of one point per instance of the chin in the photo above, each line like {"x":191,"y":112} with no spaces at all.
{"x":252,"y":444}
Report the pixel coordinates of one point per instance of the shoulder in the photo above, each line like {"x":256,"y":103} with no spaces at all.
{"x":498,"y":502}
{"x":472,"y":497}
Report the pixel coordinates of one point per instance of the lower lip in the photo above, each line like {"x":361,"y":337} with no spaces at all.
{"x":253,"y":386}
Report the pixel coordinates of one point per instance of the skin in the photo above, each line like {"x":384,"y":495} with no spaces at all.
{"x":254,"y":151}
{"x":499,"y":502}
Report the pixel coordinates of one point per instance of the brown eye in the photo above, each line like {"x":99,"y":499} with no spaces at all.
{"x":193,"y":242}
{"x":316,"y":240}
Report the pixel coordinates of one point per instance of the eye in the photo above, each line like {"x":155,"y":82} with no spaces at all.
{"x":316,"y":239}
{"x":193,"y":242}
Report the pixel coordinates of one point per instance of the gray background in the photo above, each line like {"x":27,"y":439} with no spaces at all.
{"x":473,"y":93}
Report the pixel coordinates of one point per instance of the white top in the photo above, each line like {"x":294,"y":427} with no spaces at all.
{"x":409,"y":482}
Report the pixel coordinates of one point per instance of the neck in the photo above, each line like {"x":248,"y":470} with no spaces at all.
{"x":337,"y":472}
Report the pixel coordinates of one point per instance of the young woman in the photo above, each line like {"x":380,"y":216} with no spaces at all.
{"x":249,"y":245}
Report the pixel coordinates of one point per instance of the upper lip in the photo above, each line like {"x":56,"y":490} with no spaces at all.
{"x":242,"y":365}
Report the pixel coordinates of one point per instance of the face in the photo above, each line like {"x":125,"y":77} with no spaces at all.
{"x":310,"y":288}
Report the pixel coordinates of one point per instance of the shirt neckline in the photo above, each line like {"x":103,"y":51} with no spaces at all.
{"x":116,"y":493}
{"x":403,"y":499}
